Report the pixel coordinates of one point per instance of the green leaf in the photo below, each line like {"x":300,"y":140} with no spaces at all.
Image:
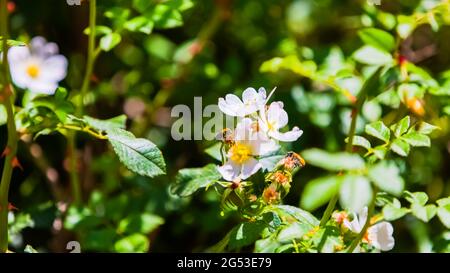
{"x":109,"y":41}
{"x":424,"y":213}
{"x":99,"y":30}
{"x":443,"y":201}
{"x":3,"y":115}
{"x":333,"y":161}
{"x":379,"y":151}
{"x":292,"y":231}
{"x":165,"y":16}
{"x":57,"y":103}
{"x":391,"y":212}
{"x":319,"y":191}
{"x":108,"y":124}
{"x":386,"y":176}
{"x":426,"y":128}
{"x":132,"y":244}
{"x":355,"y":192}
{"x":416,"y":139}
{"x":419,"y":198}
{"x":443,"y":213}
{"x":99,"y":239}
{"x":245,"y":234}
{"x":373,"y":56}
{"x":30,"y":249}
{"x":378,"y":130}
{"x":377,"y":38}
{"x":139,"y":155}
{"x":401,"y":127}
{"x":297,"y":214}
{"x":139,"y":23}
{"x":189,"y":181}
{"x":10,"y":43}
{"x":214,"y":151}
{"x":139,"y":223}
{"x":361,"y":142}
{"x":400,"y":147}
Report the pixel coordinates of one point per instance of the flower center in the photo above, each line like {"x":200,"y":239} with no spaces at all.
{"x":33,"y":71}
{"x":240,"y":153}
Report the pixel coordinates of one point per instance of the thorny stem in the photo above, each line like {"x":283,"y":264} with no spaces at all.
{"x":11,"y":146}
{"x":91,"y":56}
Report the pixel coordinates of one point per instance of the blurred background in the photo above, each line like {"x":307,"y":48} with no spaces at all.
{"x":218,"y":50}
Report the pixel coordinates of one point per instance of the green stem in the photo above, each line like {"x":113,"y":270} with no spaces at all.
{"x":368,"y":85}
{"x":91,"y":56}
{"x":11,"y":146}
{"x":329,"y":210}
{"x":74,"y":178}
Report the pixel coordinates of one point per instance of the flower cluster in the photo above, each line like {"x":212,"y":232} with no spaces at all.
{"x":378,"y":235}
{"x":38,"y":68}
{"x":257,"y":133}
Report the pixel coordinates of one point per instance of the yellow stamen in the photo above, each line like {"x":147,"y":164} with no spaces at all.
{"x":33,"y":71}
{"x":240,"y":153}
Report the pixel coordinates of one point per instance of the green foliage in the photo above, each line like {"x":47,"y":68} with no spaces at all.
{"x":333,"y":162}
{"x":138,"y":154}
{"x":188,"y":181}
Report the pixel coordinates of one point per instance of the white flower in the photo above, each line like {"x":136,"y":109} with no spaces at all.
{"x":378,"y":235}
{"x":38,"y":67}
{"x":275,"y":118}
{"x":251,"y":102}
{"x":248,"y":144}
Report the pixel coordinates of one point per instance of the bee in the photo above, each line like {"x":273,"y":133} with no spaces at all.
{"x":293,"y":160}
{"x":226,"y":136}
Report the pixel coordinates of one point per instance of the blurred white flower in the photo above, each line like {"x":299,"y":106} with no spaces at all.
{"x":251,"y":102}
{"x":274,"y":119}
{"x":379,"y":235}
{"x":249,"y":143}
{"x":38,"y":67}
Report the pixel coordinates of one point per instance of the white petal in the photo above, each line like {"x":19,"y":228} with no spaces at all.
{"x":250,"y":167}
{"x":290,"y":136}
{"x":41,"y":48}
{"x":229,"y":171}
{"x":354,"y":225}
{"x":249,"y":96}
{"x":277,"y":116}
{"x":243,"y":130}
{"x":234,"y":100}
{"x":380,"y":236}
{"x":231,"y":105}
{"x":363,"y":216}
{"x":225,"y":108}
{"x":18,"y":54}
{"x":42,"y":87}
{"x":19,"y":74}
{"x":262,"y":144}
{"x":54,"y":68}
{"x":262,"y":93}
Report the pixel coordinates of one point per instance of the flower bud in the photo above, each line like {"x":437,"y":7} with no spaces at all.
{"x":270,"y":195}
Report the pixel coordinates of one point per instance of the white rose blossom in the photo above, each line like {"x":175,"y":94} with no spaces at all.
{"x":248,"y":144}
{"x":38,"y":68}
{"x":274,"y":119}
{"x":251,"y":102}
{"x":256,"y":134}
{"x":379,"y":235}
